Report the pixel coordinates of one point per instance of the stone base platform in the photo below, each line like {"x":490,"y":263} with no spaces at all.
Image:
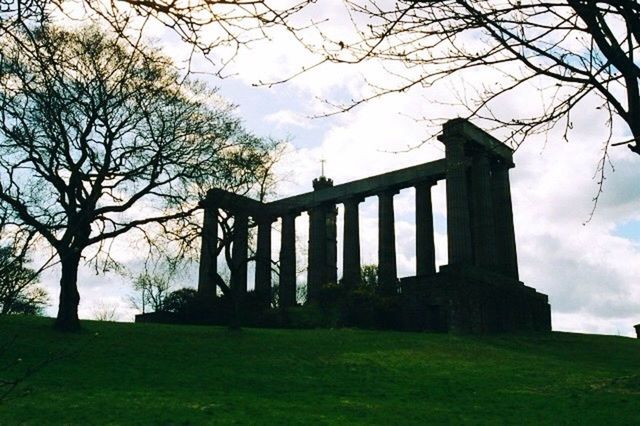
{"x":471,"y":300}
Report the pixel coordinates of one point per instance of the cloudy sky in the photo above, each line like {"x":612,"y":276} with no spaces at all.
{"x":589,"y":270}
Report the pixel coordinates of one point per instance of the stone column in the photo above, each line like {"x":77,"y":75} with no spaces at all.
{"x":208,"y":267}
{"x":316,"y":251}
{"x":387,"y":272}
{"x":351,"y":243}
{"x":482,"y":221}
{"x":458,"y":224}
{"x":507,"y":259}
{"x":263,"y":261}
{"x":425,"y":246}
{"x":330,"y":245}
{"x":239,"y":254}
{"x":287,"y":290}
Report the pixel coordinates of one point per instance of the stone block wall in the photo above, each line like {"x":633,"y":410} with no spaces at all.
{"x":470,"y":300}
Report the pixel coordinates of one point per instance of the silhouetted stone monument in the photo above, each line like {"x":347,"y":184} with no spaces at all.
{"x":637,"y":327}
{"x":478,"y":291}
{"x":322,"y":267}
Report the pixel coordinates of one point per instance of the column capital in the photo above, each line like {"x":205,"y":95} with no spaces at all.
{"x":240,"y":215}
{"x":461,"y":132}
{"x":290,"y":213}
{"x":501,"y":164}
{"x":353,"y":201}
{"x":449,"y":139}
{"x":264,"y":220}
{"x":389,"y":192}
{"x":426,"y":184}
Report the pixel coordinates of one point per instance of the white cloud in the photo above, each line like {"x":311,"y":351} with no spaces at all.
{"x":286,"y":117}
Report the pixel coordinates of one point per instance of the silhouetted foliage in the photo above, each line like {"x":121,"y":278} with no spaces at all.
{"x":19,"y":292}
{"x":369,"y":277}
{"x":98,"y":139}
{"x":151,"y":291}
{"x":180,"y":301}
{"x":204,"y":25}
{"x":361,"y":306}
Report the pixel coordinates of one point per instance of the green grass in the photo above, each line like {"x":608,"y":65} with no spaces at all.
{"x":160,"y":374}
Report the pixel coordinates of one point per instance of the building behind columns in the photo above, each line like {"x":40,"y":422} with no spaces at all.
{"x":479,"y":290}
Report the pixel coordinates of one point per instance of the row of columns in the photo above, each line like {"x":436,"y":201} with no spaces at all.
{"x":322,"y":266}
{"x":480,"y":231}
{"x":480,"y":227}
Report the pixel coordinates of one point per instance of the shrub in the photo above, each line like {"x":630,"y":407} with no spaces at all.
{"x":336,"y":306}
{"x":180,"y":301}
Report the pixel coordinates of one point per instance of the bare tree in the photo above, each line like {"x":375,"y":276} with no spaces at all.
{"x":98,"y":139}
{"x":104,"y":311}
{"x":179,"y":244}
{"x":204,"y":25}
{"x":152,"y":286}
{"x":571,"y":50}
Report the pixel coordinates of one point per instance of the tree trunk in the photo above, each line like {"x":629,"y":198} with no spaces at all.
{"x":635,"y":130}
{"x":67,"y":319}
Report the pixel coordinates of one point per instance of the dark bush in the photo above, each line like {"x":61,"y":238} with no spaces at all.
{"x":337,"y":306}
{"x":330,"y":294}
{"x":189,"y":308}
{"x":255,"y":312}
{"x":180,"y":301}
{"x":334,"y":306}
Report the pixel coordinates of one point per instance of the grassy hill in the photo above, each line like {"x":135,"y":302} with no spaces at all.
{"x":159,"y":374}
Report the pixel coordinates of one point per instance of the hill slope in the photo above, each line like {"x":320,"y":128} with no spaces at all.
{"x":145,"y":373}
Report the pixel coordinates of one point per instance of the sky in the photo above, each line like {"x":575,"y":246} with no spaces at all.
{"x":588,"y":268}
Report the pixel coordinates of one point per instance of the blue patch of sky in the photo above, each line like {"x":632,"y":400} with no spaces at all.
{"x":440,"y":223}
{"x":629,"y":230}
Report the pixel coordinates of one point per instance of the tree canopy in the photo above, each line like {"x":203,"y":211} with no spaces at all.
{"x":98,"y":139}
